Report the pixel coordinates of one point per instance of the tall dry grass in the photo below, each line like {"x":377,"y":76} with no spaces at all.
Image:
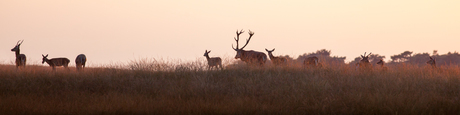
{"x":160,"y":87}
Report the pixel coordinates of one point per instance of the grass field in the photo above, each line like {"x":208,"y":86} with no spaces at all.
{"x":159,"y":87}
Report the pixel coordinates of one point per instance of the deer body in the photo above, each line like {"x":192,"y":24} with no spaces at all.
{"x":276,"y":60}
{"x":80,"y":61}
{"x":56,"y":62}
{"x":250,"y":57}
{"x":214,"y":61}
{"x":311,"y":61}
{"x":20,"y":58}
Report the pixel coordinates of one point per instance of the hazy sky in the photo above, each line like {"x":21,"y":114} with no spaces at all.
{"x":117,"y":31}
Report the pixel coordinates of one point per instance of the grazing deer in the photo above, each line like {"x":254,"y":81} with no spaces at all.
{"x":311,"y":61}
{"x":432,"y":62}
{"x":364,"y":63}
{"x":276,"y":60}
{"x":382,"y":65}
{"x":214,"y":61}
{"x":56,"y":61}
{"x":20,"y":58}
{"x":250,"y":57}
{"x":80,"y":61}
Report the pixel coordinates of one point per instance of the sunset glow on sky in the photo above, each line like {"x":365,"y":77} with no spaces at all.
{"x":117,"y":31}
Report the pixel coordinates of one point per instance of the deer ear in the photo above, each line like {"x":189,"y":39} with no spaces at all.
{"x":266,"y":49}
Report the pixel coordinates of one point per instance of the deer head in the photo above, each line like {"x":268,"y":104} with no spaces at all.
{"x":16,"y":48}
{"x":206,"y":52}
{"x":365,"y":58}
{"x":381,"y":62}
{"x":239,"y":50}
{"x":269,"y":51}
{"x":44,"y":59}
{"x":432,"y":62}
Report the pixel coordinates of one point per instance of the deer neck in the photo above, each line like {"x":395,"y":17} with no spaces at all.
{"x":49,"y":62}
{"x":271,"y":55}
{"x":17,"y":52}
{"x":207,"y":57}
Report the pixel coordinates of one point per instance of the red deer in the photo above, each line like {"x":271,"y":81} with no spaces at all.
{"x":214,"y":61}
{"x":20,"y":58}
{"x":276,"y":60}
{"x":56,"y":61}
{"x":311,"y":61}
{"x":382,"y":65}
{"x":250,"y":57}
{"x":432,"y":62}
{"x":364,"y":63}
{"x":80,"y":61}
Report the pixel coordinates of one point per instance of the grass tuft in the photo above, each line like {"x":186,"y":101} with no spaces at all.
{"x":149,"y":86}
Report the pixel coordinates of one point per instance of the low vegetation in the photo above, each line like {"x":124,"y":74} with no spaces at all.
{"x":149,"y":86}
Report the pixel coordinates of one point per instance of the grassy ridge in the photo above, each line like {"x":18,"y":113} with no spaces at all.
{"x":164,"y":88}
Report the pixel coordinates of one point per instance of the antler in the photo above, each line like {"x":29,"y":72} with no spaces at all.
{"x":247,"y":41}
{"x":237,"y":38}
{"x":364,"y":55}
{"x":19,"y":43}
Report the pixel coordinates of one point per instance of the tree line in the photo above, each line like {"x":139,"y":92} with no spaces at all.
{"x":407,"y":57}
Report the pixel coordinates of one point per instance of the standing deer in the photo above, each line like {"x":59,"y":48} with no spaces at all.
{"x":432,"y":62}
{"x":250,"y":57}
{"x":311,"y":61}
{"x":364,"y":63}
{"x":56,"y":62}
{"x":214,"y":61}
{"x":80,"y":61}
{"x":20,"y":58}
{"x":276,"y":60}
{"x":382,"y":65}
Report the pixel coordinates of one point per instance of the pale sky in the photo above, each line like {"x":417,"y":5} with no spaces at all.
{"x":117,"y":31}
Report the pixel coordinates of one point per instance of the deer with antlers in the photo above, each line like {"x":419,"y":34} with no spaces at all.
{"x":382,"y":65}
{"x":311,"y":61}
{"x":214,"y":61}
{"x":276,"y":60}
{"x":364,"y":62}
{"x":20,"y":58}
{"x":432,"y":62}
{"x":56,"y":62}
{"x":250,"y":57}
{"x":80,"y":61}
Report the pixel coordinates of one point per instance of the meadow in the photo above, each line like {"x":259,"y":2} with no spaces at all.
{"x":149,"y":86}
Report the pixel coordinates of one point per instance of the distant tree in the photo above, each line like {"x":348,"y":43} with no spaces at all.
{"x":435,"y":53}
{"x":374,"y":58}
{"x":419,"y":59}
{"x":401,"y":57}
{"x":451,"y":58}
